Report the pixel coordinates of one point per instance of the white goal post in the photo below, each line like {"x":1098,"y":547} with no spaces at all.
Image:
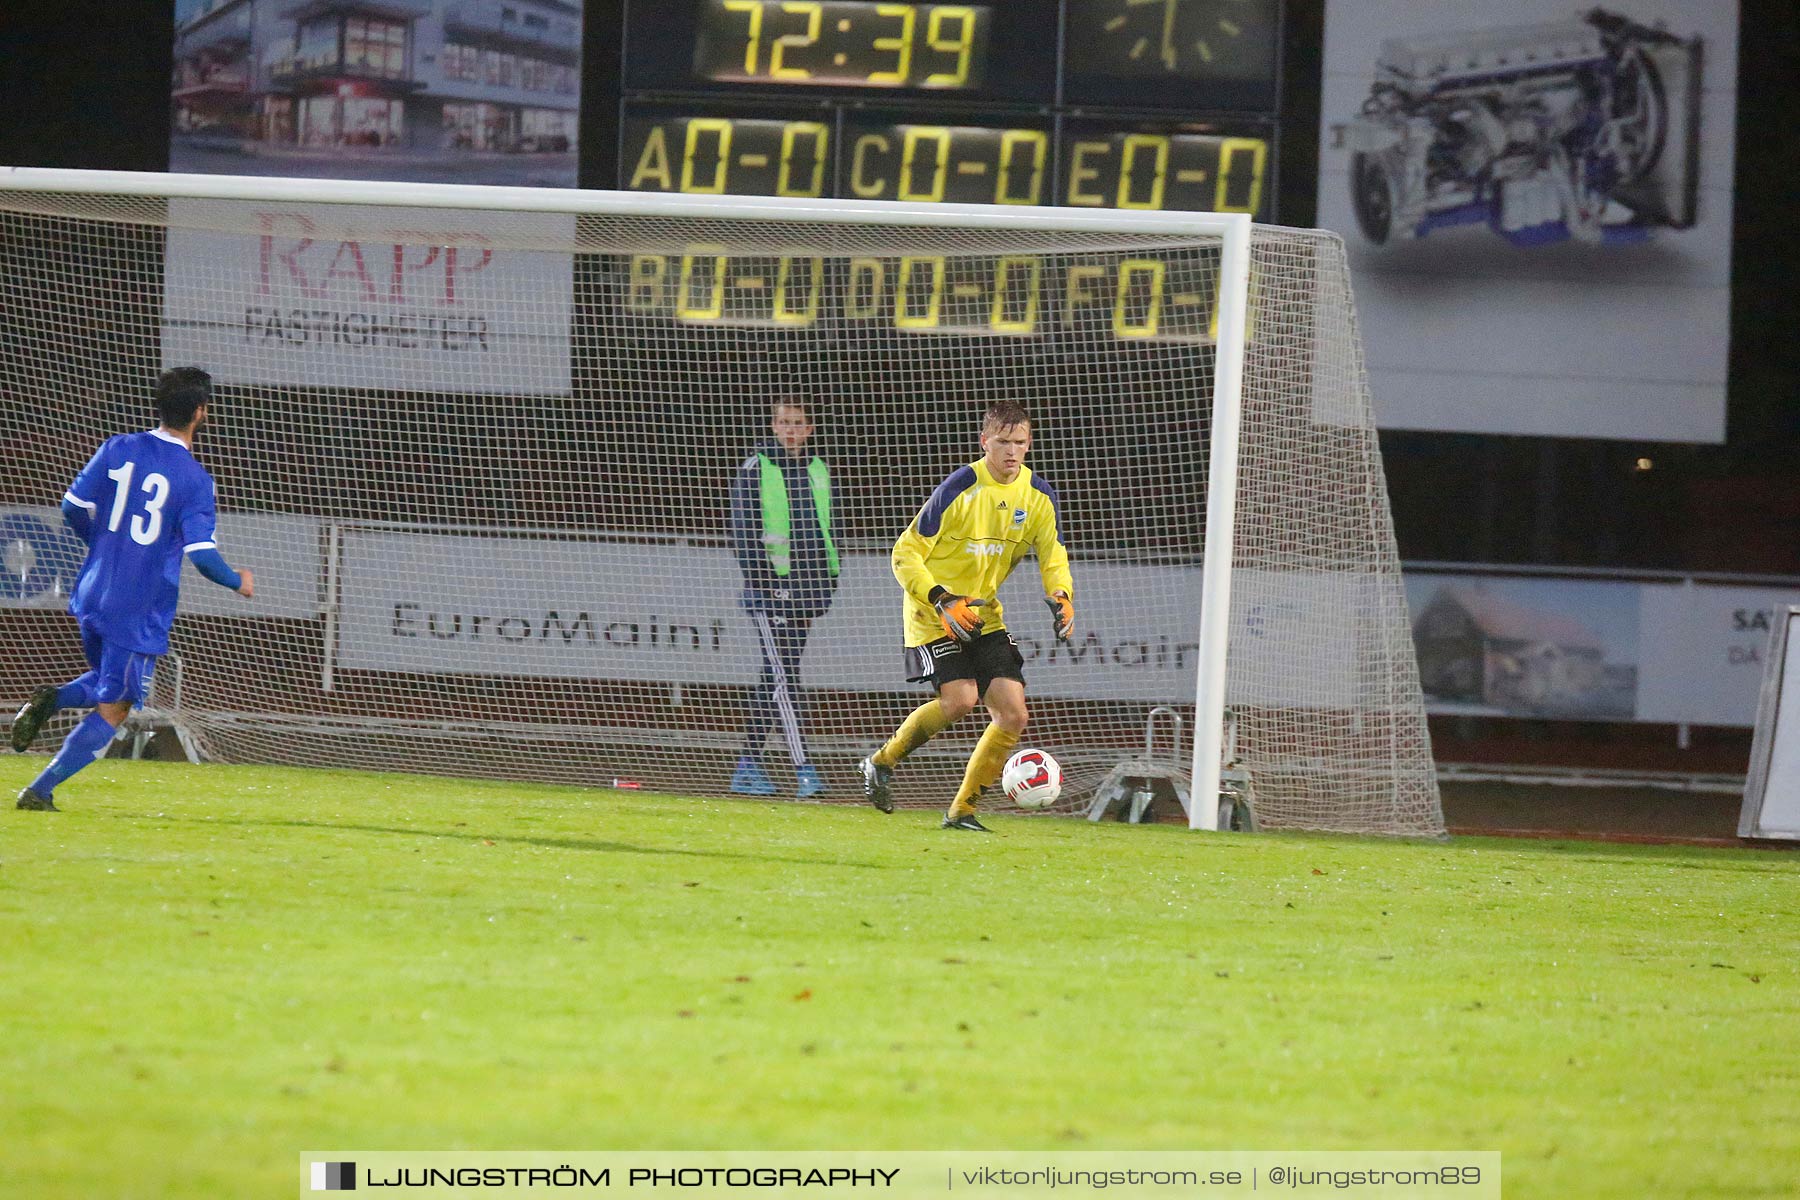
{"x":462,"y":430}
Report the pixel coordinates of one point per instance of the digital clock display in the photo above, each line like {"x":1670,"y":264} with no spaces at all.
{"x":843,"y":43}
{"x":1002,"y":52}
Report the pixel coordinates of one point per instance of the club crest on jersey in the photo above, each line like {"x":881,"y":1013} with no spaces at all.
{"x":1018,"y":516}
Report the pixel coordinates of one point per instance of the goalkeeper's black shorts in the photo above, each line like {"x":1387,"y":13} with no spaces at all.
{"x":991,"y":656}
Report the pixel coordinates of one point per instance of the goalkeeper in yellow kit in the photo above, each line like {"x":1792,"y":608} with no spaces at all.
{"x":952,"y":559}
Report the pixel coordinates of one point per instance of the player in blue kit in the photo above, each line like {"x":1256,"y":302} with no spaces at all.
{"x":142,"y":504}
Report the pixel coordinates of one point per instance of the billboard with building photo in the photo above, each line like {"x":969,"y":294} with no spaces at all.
{"x":436,"y":91}
{"x":1536,"y":196}
{"x":1522,"y":647}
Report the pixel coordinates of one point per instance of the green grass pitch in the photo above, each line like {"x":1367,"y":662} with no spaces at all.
{"x":205,"y":971}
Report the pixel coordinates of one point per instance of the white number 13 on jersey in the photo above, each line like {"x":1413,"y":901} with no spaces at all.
{"x":145,"y":526}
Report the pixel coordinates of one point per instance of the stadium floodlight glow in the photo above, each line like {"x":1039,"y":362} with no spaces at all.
{"x":478,"y":444}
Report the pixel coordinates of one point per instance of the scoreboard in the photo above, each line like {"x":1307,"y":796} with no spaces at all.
{"x":1131,"y":104}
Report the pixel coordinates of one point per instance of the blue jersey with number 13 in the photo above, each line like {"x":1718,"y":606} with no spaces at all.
{"x":150,"y":503}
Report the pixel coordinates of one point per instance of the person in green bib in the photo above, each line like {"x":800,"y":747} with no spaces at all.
{"x":781,"y":534}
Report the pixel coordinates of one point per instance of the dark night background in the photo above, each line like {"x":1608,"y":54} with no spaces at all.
{"x":85,"y":84}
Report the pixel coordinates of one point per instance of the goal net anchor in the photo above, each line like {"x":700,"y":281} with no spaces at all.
{"x":1237,"y":798}
{"x":1138,"y":783}
{"x":156,"y":732}
{"x":151,"y":733}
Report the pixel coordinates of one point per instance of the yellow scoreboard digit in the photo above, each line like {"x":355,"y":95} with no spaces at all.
{"x":963,"y":164}
{"x":736,"y":156}
{"x":1160,"y":297}
{"x":1105,"y":166}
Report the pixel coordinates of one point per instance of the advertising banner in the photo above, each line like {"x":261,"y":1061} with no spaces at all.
{"x":287,"y":555}
{"x":1488,"y":644}
{"x":609,"y":610}
{"x":40,"y":558}
{"x":429,"y":91}
{"x":1592,"y":649}
{"x":406,"y":299}
{"x":1536,"y":197}
{"x":1704,"y":649}
{"x":425,"y":603}
{"x":1526,"y":647}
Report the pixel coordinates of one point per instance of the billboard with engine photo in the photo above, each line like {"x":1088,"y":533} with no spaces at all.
{"x":1536,"y":196}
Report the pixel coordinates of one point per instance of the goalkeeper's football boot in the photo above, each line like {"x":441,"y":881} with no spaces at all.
{"x":749,"y":780}
{"x":810,"y":784}
{"x":878,"y":784}
{"x":31,"y":718}
{"x":966,"y":821}
{"x":31,"y":801}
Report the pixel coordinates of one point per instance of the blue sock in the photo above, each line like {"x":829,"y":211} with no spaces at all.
{"x":77,"y":693}
{"x":85,"y":743}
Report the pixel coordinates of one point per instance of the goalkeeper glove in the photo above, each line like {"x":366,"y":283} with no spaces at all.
{"x":1062,"y":615}
{"x":957,"y":614}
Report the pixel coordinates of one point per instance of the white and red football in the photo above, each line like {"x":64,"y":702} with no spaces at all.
{"x":1032,"y":779}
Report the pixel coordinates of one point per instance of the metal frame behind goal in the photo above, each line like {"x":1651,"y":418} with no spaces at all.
{"x":1135,"y":785}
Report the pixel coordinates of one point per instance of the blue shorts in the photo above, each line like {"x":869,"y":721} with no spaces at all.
{"x":119,"y":674}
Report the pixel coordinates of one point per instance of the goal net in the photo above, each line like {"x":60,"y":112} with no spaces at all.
{"x":480,"y":448}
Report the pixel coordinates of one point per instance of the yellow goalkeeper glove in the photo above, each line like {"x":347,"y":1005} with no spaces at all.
{"x":1062,"y":614}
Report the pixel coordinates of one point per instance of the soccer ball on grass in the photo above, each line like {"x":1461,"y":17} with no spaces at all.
{"x":1032,"y":779}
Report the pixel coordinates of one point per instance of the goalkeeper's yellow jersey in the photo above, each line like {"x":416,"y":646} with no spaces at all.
{"x":969,"y":537}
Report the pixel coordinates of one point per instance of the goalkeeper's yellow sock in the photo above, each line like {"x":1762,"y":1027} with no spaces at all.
{"x":921,"y":725}
{"x":991,"y":752}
